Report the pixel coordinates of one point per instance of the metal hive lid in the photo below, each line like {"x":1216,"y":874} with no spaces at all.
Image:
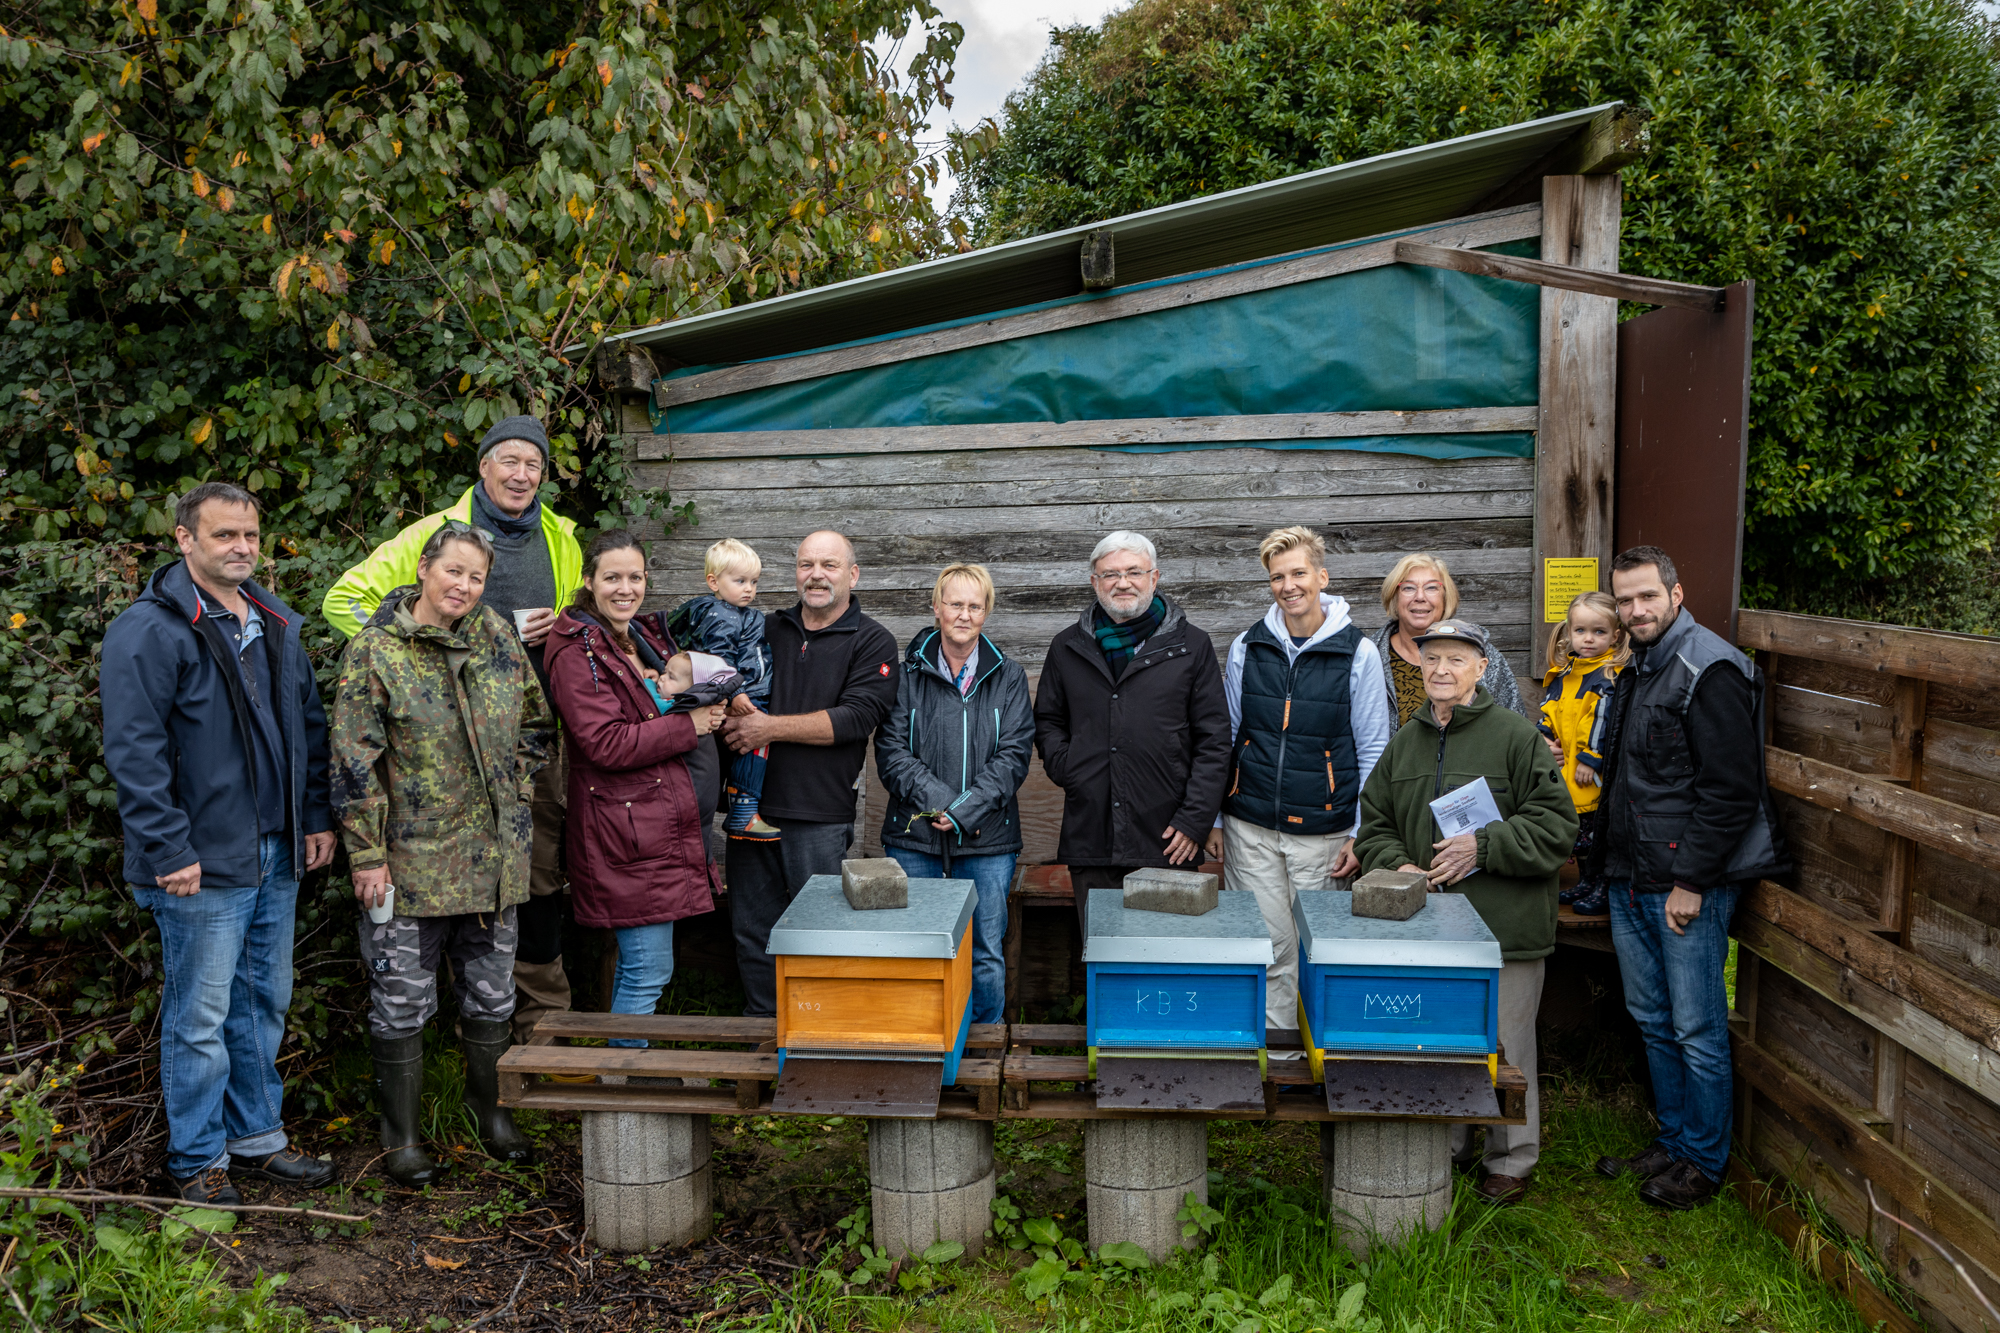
{"x":1233,"y":933}
{"x":1448,"y":932}
{"x":819,"y":923}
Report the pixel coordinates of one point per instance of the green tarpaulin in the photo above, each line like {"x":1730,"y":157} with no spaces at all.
{"x":1396,"y":337}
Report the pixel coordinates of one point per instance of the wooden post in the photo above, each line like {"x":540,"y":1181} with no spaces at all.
{"x":1906,"y":769}
{"x":1576,"y":444}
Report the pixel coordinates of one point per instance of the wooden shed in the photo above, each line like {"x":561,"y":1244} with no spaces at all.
{"x":1417,"y":351}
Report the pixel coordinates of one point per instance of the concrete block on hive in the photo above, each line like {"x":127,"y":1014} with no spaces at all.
{"x":1390,"y":895}
{"x":874,"y":884}
{"x":1181,"y":892}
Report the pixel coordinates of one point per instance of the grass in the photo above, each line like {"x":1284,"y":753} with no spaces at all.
{"x":1583,"y":1253}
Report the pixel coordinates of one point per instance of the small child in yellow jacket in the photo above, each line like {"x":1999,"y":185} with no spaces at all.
{"x":1586,"y":652}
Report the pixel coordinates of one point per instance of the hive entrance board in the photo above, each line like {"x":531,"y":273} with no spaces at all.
{"x":893,"y":1089}
{"x":1138,"y":1082}
{"x":1410,"y":1088}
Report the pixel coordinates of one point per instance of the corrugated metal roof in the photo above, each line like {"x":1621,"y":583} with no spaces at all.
{"x":1313,"y":208}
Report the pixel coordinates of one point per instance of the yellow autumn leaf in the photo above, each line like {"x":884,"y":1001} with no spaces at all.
{"x":129,"y":73}
{"x":283,"y":283}
{"x":91,"y":141}
{"x":240,"y":158}
{"x":604,"y":72}
{"x":464,"y":382}
{"x":266,"y":224}
{"x":397,"y":144}
{"x":16,"y":620}
{"x":182,"y":241}
{"x":333,"y":336}
{"x":225,"y":198}
{"x":875,"y":233}
{"x":56,"y":266}
{"x":432,"y":1261}
{"x":388,"y":249}
{"x":202,"y":430}
{"x":149,"y":10}
{"x":200,"y":183}
{"x":451,"y":439}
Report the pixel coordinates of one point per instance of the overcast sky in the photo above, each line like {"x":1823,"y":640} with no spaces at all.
{"x":1003,"y":41}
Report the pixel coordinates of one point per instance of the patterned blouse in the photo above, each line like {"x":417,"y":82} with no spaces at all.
{"x":1409,"y":682}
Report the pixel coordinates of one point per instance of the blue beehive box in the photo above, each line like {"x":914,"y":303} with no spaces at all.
{"x":1428,"y":986}
{"x":1157,"y":981}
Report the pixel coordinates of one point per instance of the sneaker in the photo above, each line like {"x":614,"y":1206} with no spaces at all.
{"x":758,"y":828}
{"x":1593,"y":901}
{"x":289,"y":1167}
{"x":1681,"y":1187}
{"x":1645,"y":1166}
{"x":206,"y":1188}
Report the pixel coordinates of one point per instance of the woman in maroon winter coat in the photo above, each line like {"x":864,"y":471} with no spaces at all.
{"x":638,"y":857}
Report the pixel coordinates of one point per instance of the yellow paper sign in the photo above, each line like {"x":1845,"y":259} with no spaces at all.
{"x":1562,"y":580}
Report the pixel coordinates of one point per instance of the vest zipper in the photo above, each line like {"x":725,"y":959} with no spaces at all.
{"x":1284,"y":731}
{"x":1437,"y":786}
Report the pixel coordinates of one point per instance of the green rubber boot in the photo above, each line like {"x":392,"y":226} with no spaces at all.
{"x":399,"y":1082}
{"x":485,"y":1041}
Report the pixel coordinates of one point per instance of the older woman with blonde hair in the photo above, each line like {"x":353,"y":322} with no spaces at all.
{"x":1418,"y":593}
{"x":952,"y":755}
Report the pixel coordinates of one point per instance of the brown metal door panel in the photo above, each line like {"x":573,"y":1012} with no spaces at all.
{"x":1683,"y":439}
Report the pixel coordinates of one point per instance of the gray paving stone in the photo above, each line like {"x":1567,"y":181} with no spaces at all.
{"x":1390,"y":895}
{"x":910,"y":1223}
{"x":874,"y":883}
{"x":642,"y":1147}
{"x":1144,"y":1154}
{"x":1383,"y":1179}
{"x":1137,"y":1175}
{"x":928,"y":1156}
{"x":647,"y":1179}
{"x":1182,"y":892}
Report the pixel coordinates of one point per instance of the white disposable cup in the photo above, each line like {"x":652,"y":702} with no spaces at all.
{"x":380,"y":915}
{"x":521,"y":620}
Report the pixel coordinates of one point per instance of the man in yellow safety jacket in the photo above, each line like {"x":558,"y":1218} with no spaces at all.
{"x":537,"y":564}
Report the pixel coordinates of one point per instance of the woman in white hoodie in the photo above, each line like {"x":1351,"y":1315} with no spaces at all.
{"x":1309,"y":716}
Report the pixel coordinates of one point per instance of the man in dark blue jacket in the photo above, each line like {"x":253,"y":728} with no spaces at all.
{"x":214,"y":732}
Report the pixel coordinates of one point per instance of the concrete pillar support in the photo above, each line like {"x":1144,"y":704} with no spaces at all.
{"x":646,"y":1179}
{"x":930,"y":1181}
{"x":1137,"y":1174}
{"x":1385,"y":1178}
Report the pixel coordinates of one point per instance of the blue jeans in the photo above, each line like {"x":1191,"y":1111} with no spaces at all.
{"x":992,"y":876}
{"x":1676,"y":990}
{"x":226,"y":963}
{"x":645,"y":967}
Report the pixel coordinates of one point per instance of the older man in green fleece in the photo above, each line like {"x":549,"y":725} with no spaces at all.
{"x":1508,"y":868}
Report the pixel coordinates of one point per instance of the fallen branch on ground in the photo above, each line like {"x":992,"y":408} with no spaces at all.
{"x":104,"y":1196}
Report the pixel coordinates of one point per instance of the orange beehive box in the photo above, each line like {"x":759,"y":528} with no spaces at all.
{"x":894,"y":980}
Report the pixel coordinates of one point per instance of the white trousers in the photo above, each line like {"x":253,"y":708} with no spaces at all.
{"x":1513,"y":1150}
{"x":1276,"y":866}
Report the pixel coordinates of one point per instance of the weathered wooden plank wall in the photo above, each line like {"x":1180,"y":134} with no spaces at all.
{"x":1869,"y":995}
{"x":1033,"y":515}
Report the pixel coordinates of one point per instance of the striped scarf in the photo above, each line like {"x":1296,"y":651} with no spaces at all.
{"x":1118,"y":642}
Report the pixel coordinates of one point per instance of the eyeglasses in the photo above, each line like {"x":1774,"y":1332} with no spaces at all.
{"x":1112,"y":577}
{"x":961,"y":608}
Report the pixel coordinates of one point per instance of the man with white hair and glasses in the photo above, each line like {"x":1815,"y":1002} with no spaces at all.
{"x":1132,"y":725}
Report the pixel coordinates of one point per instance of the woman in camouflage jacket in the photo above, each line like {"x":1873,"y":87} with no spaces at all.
{"x":439,"y":727}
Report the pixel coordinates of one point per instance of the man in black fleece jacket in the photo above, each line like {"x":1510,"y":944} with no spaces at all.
{"x":1688,"y":824}
{"x":833,"y":681}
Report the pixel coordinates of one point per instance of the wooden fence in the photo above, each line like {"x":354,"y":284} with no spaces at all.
{"x":1868,"y":993}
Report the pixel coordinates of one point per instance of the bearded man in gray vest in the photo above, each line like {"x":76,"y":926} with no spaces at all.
{"x":1309,"y":716}
{"x":1688,"y":824}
